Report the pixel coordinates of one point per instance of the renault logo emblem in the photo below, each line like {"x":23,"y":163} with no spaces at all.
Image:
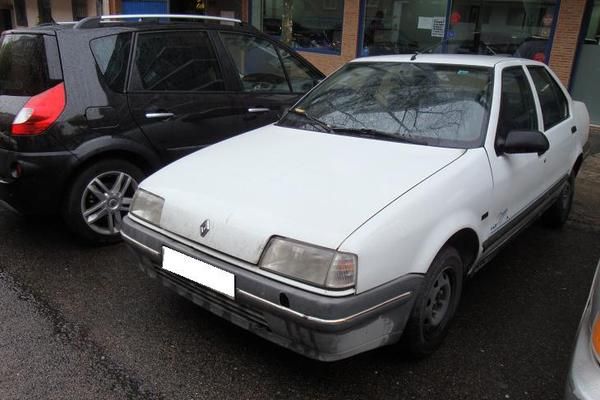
{"x":205,"y":228}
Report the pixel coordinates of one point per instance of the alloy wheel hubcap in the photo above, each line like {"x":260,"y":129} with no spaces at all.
{"x":106,"y":200}
{"x":438,"y":299}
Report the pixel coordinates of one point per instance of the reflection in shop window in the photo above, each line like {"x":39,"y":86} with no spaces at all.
{"x":316,"y":24}
{"x":402,"y":27}
{"x":516,"y":28}
{"x":508,"y":28}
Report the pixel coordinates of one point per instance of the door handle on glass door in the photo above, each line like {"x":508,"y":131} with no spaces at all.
{"x":159,"y":115}
{"x":258,"y":110}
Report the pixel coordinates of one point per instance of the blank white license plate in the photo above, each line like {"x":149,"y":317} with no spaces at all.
{"x":199,"y":272}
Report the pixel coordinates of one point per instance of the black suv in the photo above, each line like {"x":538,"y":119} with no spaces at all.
{"x":88,"y":109}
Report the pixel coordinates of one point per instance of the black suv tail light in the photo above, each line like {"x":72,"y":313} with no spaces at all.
{"x":40,"y":112}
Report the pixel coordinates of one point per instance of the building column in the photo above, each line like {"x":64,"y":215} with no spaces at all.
{"x":566,"y":38}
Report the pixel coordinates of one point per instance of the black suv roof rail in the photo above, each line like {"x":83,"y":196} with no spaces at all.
{"x":96,"y":22}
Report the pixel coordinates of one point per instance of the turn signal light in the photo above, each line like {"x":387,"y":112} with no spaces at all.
{"x":40,"y":112}
{"x":596,"y":337}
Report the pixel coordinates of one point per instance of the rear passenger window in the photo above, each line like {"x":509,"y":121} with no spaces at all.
{"x":111,"y":54}
{"x":517,"y":108}
{"x":552,"y":99}
{"x":176,"y":61}
{"x":257,"y":62}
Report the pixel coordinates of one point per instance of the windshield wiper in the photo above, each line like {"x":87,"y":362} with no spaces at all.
{"x":376,"y":134}
{"x":315,"y":121}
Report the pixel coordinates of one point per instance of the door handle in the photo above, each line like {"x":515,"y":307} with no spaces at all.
{"x":258,"y":110}
{"x":159,"y":115}
{"x":573,"y":129}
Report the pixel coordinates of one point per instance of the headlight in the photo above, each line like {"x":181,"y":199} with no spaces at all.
{"x":311,"y":264}
{"x":147,"y":206}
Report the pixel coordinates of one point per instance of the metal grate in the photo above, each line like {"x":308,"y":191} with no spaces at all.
{"x":206,"y":298}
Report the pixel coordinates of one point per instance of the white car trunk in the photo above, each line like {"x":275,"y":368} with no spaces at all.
{"x":309,"y":186}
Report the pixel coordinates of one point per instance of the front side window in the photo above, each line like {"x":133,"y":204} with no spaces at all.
{"x":257,"y":62}
{"x":432,"y":104}
{"x":517,"y":108}
{"x":552,"y":99}
{"x":176,"y":61}
{"x":301,"y":77}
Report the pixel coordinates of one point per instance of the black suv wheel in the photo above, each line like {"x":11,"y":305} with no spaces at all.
{"x":99,"y":198}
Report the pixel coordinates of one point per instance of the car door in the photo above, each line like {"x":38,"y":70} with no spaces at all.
{"x":518,"y":178}
{"x":271,"y":79}
{"x":557,"y":123}
{"x":177,"y":92}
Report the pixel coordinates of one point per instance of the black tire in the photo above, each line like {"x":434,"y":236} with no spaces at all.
{"x":82,"y":197}
{"x":558,"y":214}
{"x":423,"y":333}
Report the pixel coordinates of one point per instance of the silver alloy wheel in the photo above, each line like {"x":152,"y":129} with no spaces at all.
{"x":438,"y":299}
{"x":106,"y":200}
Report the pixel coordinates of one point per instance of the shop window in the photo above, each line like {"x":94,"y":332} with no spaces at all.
{"x":312,"y":25}
{"x":402,"y":27}
{"x":513,"y":28}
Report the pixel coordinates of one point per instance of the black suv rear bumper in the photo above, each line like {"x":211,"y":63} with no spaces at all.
{"x":39,"y":188}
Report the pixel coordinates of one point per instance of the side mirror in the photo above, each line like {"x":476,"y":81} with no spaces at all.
{"x":521,"y":142}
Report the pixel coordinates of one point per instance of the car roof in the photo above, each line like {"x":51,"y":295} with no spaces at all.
{"x":457,"y":59}
{"x":124,"y":26}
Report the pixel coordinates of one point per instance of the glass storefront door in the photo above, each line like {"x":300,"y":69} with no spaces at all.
{"x":586,"y":77}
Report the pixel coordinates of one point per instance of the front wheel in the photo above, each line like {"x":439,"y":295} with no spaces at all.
{"x":99,"y":198}
{"x":435,"y":305}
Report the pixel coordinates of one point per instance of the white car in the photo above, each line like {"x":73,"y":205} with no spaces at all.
{"x":583,"y":382}
{"x":353,"y":221}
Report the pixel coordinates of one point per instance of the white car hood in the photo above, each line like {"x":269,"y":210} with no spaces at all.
{"x":309,"y":186}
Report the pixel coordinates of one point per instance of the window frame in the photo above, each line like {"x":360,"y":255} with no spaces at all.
{"x":535,"y":100}
{"x":132,"y":72}
{"x":539,"y":101}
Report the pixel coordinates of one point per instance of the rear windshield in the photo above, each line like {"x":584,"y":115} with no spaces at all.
{"x":28,"y":64}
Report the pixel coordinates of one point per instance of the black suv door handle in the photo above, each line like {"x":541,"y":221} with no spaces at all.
{"x":258,"y":110}
{"x":159,"y":115}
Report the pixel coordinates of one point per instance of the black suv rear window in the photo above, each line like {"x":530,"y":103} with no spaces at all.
{"x":111,"y":54}
{"x":29,"y":64}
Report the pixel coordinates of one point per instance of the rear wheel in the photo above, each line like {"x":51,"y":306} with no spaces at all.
{"x":556,"y":216}
{"x":99,"y":198}
{"x":435,"y":305}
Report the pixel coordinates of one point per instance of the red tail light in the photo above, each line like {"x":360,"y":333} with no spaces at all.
{"x":40,"y":112}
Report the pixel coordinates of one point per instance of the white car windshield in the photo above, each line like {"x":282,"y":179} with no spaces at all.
{"x":432,"y":104}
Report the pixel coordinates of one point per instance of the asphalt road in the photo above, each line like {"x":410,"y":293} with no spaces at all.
{"x":83,"y":322}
